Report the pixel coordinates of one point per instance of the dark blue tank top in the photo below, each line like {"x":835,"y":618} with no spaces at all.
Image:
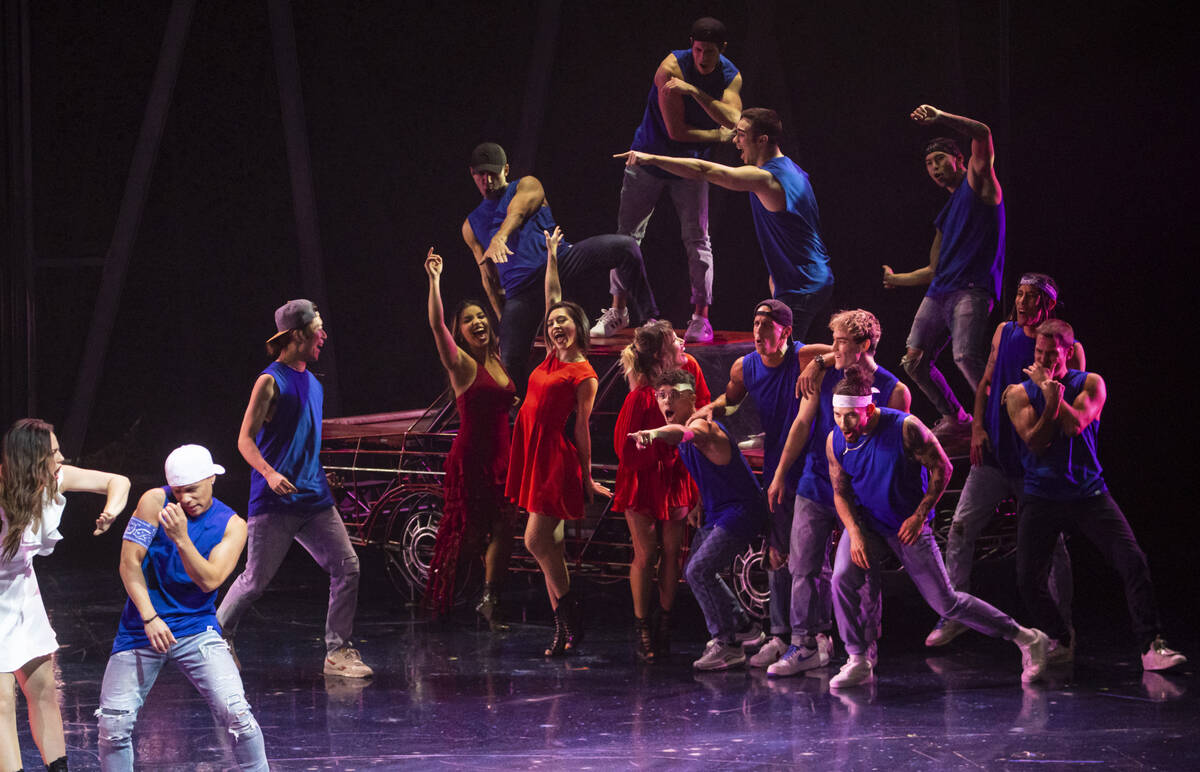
{"x":1014,"y":354}
{"x":651,"y":135}
{"x":889,"y":485}
{"x":527,"y":243}
{"x":730,"y":494}
{"x":814,"y":484}
{"x":1070,"y":467}
{"x":185,"y":608}
{"x":791,"y":238}
{"x":774,"y":391}
{"x":972,"y":251}
{"x":291,"y":444}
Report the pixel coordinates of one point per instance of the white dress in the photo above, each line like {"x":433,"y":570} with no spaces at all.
{"x":25,"y":631}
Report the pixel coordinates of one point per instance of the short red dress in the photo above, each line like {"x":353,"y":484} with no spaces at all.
{"x":653,"y":481}
{"x":543,"y":472}
{"x":476,"y":469}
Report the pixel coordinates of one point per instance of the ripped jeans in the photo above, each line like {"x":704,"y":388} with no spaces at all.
{"x":205,"y":659}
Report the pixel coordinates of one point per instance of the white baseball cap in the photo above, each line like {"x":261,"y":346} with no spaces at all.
{"x":188,"y":464}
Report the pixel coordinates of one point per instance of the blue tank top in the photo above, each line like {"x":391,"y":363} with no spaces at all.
{"x":185,"y":608}
{"x":730,"y":494}
{"x":972,"y":251}
{"x":527,"y":243}
{"x":888,"y":484}
{"x":791,"y":238}
{"x":291,"y":444}
{"x":774,"y":391}
{"x":651,"y":135}
{"x":814,"y":484}
{"x":1070,"y":467}
{"x":1014,"y":354}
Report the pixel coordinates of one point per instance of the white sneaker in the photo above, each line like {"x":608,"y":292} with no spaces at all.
{"x":857,"y":670}
{"x":611,"y":321}
{"x":345,"y":661}
{"x":719,"y":655}
{"x":944,"y":631}
{"x":772,"y":650}
{"x":699,"y":330}
{"x":797,"y":659}
{"x":751,"y":636}
{"x":752,"y":442}
{"x":1159,"y":657}
{"x":1033,"y":657}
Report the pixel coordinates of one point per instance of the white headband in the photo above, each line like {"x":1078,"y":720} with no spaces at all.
{"x":680,"y":386}
{"x":847,"y":400}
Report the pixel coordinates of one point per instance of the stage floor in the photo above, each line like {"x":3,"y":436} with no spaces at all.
{"x":456,"y":696}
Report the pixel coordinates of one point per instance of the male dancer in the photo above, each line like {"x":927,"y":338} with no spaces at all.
{"x":996,"y":473}
{"x":694,"y":102}
{"x":782,"y":203}
{"x":769,"y":375}
{"x":855,"y":339}
{"x":1056,"y":412}
{"x":888,"y":471}
{"x":179,"y":546}
{"x":505,"y":233}
{"x":734,"y":512}
{"x":966,"y":264}
{"x":290,"y":498}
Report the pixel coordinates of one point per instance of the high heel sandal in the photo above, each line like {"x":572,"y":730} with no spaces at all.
{"x":644,"y":640}
{"x":489,"y":608}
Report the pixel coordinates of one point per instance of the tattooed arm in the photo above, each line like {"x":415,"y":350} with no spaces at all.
{"x":921,"y":446}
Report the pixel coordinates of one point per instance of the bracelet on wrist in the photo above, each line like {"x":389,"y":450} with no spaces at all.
{"x":148,"y":621}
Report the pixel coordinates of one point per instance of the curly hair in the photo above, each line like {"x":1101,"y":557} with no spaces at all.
{"x":642,"y":360}
{"x":860,"y":324}
{"x":27,"y":479}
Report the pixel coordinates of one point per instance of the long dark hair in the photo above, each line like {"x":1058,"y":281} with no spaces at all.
{"x":27,"y":479}
{"x":460,"y":340}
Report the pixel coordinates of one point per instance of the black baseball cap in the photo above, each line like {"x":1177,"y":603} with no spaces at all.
{"x":709,"y":30}
{"x":489,"y":157}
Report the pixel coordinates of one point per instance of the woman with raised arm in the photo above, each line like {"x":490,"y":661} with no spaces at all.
{"x":653,"y":488}
{"x":476,"y":516}
{"x":548,"y":476}
{"x":33,"y":480}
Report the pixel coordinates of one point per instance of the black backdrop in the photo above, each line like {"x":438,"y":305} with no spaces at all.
{"x":1092,"y":110}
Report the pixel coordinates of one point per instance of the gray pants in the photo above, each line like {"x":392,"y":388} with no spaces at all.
{"x":808,"y":559}
{"x":324,"y":536}
{"x":859,"y":612}
{"x":987,"y":486}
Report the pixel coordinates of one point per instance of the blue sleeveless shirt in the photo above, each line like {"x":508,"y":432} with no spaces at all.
{"x":791,"y":238}
{"x":185,"y":608}
{"x":888,"y":484}
{"x":814,"y":484}
{"x":774,"y":391}
{"x":1013,"y":355}
{"x":730,"y":494}
{"x":972,"y":251}
{"x":1070,"y":468}
{"x":651,"y":135}
{"x":291,"y":444}
{"x":527,"y":243}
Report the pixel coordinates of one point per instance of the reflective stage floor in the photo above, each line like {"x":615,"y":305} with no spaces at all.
{"x":457,"y":696}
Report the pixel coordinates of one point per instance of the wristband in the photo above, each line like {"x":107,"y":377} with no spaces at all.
{"x":148,"y":621}
{"x":688,"y":434}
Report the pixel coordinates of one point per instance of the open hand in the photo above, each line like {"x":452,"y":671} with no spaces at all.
{"x":910,"y":529}
{"x":281,"y":485}
{"x":103,"y":522}
{"x":553,"y":240}
{"x":497,"y":250}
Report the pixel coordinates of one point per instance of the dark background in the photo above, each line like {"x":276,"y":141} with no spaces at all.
{"x":1092,"y":110}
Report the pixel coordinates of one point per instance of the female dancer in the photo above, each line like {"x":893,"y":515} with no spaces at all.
{"x":477,"y":465}
{"x":548,"y":476}
{"x":32,"y":481}
{"x":653,"y":487}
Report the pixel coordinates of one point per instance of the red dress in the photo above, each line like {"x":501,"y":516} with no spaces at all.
{"x":543,"y":473}
{"x":653,"y":481}
{"x":476,"y":468}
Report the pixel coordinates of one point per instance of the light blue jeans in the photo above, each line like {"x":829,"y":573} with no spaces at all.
{"x":962,"y":318}
{"x":713,"y":550}
{"x":640,"y":191}
{"x":808,"y":559}
{"x":269,"y":537}
{"x":205,"y":659}
{"x":856,"y":592}
{"x":987,"y":486}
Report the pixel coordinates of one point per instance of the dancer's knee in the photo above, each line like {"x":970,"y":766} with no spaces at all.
{"x":237,"y":718}
{"x":115,"y":726}
{"x":347,"y":566}
{"x":912,"y":361}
